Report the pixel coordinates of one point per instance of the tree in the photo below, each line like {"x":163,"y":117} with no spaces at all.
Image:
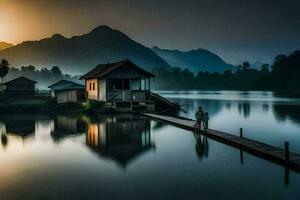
{"x":4,"y":67}
{"x":265,"y":69}
{"x":246,"y":66}
{"x":56,"y":71}
{"x":28,"y":69}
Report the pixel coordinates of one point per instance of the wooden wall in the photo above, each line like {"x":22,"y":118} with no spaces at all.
{"x":66,"y":96}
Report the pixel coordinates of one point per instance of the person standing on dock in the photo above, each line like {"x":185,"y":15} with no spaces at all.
{"x":205,"y":120}
{"x":199,"y":117}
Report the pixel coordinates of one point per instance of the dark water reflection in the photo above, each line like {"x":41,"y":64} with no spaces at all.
{"x":130,"y":157}
{"x":121,"y":138}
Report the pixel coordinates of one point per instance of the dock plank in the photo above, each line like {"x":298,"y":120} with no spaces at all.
{"x":257,"y":148}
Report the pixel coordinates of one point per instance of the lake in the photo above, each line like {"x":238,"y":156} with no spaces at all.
{"x":132,"y":157}
{"x":264,"y":116}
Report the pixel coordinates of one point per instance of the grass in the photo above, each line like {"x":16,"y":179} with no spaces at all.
{"x":48,"y":105}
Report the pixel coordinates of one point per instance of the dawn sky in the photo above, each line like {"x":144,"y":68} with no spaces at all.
{"x":237,"y":30}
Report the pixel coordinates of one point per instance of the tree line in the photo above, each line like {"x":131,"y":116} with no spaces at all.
{"x":44,"y":76}
{"x":282,"y":75}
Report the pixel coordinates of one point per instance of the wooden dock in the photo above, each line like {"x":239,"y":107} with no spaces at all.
{"x":274,"y":154}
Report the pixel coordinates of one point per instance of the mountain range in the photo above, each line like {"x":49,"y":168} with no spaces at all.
{"x":194,"y":60}
{"x":78,"y":54}
{"x":5,"y":45}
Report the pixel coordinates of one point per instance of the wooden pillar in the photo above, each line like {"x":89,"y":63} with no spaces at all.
{"x":241,"y":152}
{"x":140,"y":84}
{"x":123,"y":95}
{"x":130,"y":84}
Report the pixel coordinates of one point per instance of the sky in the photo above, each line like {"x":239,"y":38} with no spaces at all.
{"x":236,"y":30}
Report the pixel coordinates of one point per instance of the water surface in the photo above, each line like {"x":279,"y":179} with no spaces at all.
{"x":264,"y":116}
{"x":132,"y":157}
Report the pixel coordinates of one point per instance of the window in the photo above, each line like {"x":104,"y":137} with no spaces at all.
{"x":93,"y":86}
{"x":90,"y":86}
{"x":119,"y":84}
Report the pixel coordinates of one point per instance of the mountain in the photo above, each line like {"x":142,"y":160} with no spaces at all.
{"x":195,"y":60}
{"x":5,"y":45}
{"x":79,"y":54}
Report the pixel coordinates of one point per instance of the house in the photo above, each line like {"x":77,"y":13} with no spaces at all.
{"x":123,"y":83}
{"x":20,"y":86}
{"x":67,"y":91}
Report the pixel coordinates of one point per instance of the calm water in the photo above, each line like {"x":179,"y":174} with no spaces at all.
{"x":131,"y":157}
{"x":264,"y":116}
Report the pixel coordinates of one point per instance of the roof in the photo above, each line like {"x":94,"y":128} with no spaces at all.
{"x":21,"y":78}
{"x":65,"y":85}
{"x":103,"y":70}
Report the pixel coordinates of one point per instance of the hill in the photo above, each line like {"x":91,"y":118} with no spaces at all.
{"x":195,"y":60}
{"x":5,"y":45}
{"x":79,"y":54}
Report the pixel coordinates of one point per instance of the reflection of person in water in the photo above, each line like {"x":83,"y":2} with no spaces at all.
{"x":4,"y":140}
{"x":201,"y":146}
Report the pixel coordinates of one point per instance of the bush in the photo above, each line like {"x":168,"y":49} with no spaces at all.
{"x":93,"y":106}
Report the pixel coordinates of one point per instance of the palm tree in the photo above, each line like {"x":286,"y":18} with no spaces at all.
{"x":4,"y":67}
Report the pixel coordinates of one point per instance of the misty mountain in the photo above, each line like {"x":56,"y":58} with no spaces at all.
{"x":195,"y":60}
{"x":79,"y":54}
{"x":5,"y":45}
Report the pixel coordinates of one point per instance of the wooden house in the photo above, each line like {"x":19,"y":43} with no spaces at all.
{"x":123,"y":83}
{"x":20,"y":86}
{"x":67,"y":91}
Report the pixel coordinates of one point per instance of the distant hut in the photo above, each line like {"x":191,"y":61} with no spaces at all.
{"x":21,"y":86}
{"x":67,"y":91}
{"x":122,"y":83}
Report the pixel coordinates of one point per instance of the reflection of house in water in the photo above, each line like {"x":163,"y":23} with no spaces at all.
{"x":245,"y":109}
{"x":265,"y":107}
{"x":67,"y":126}
{"x":284,"y":112}
{"x":121,"y":137}
{"x":19,"y":126}
{"x":3,"y":135}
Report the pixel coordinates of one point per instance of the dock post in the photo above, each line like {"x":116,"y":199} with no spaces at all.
{"x":287,"y":152}
{"x":241,"y":152}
